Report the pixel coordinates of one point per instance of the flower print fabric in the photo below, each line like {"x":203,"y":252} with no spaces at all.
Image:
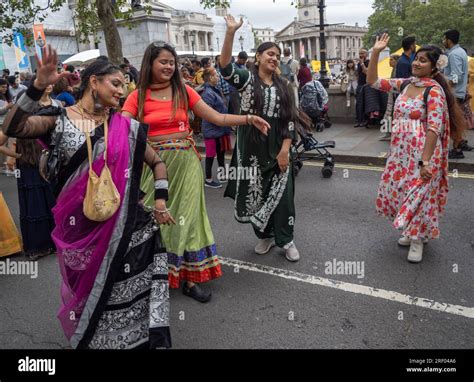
{"x":414,"y":204}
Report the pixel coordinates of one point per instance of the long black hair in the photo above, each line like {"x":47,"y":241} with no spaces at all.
{"x":456,"y":117}
{"x":288,"y":112}
{"x":6,"y":96}
{"x":180,"y":94}
{"x":98,"y":68}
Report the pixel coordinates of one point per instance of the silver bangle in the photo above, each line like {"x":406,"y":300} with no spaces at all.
{"x":166,"y":210}
{"x":161,"y":183}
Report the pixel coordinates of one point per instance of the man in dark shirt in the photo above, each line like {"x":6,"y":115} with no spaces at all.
{"x":361,"y":82}
{"x":133,"y":70}
{"x":403,"y":69}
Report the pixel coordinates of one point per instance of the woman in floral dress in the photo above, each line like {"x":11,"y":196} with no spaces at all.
{"x":414,"y":186}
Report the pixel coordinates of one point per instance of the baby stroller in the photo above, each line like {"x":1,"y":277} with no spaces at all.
{"x":320,"y":152}
{"x":314,"y":102}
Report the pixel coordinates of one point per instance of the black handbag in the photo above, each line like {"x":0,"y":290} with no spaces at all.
{"x":52,"y":158}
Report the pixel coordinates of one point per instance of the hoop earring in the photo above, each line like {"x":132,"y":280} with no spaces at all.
{"x":98,"y":107}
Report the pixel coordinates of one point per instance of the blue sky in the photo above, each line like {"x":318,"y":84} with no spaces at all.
{"x":263,"y":13}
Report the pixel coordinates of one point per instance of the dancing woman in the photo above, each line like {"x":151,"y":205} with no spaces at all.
{"x":414,"y":186}
{"x":266,"y":200}
{"x":114,"y":276}
{"x":163,"y":101}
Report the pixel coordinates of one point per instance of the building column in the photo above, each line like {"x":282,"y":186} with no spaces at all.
{"x":318,"y":48}
{"x":186,"y":37}
{"x":210,"y":38}
{"x":310,"y":50}
{"x":206,"y":42}
{"x":198,"y":44}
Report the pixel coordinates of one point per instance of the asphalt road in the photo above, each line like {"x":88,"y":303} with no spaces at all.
{"x":267,"y":302}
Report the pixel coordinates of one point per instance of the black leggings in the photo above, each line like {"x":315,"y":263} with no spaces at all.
{"x":210,"y":161}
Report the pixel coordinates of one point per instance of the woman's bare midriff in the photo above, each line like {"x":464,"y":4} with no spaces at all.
{"x":159,"y":138}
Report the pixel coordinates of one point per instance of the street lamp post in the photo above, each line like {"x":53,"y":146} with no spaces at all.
{"x":322,"y":43}
{"x":212,"y":52}
{"x":193,"y":41}
{"x":241,"y":39}
{"x":217,"y":39}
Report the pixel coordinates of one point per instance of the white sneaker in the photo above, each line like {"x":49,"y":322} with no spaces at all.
{"x":406,"y":241}
{"x":348,"y":104}
{"x":415,"y":254}
{"x":264,"y":246}
{"x":292,"y":253}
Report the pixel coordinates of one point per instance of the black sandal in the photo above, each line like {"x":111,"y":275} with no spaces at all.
{"x":197,"y":293}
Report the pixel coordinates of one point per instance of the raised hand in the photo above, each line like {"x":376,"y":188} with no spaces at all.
{"x":381,"y":42}
{"x":47,"y":73}
{"x":232,"y":24}
{"x":261,"y":124}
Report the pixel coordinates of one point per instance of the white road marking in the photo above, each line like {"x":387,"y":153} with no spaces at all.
{"x":349,"y":287}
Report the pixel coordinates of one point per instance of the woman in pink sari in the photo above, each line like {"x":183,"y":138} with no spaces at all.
{"x":115,"y":278}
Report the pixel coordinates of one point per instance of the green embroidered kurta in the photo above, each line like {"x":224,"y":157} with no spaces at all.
{"x":266,"y":197}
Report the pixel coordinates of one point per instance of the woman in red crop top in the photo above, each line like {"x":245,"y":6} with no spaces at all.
{"x":162,"y":101}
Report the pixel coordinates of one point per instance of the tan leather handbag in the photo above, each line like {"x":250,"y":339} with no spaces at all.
{"x":102,"y":199}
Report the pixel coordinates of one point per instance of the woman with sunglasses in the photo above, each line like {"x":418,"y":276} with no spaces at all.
{"x":114,"y":290}
{"x":163,"y":101}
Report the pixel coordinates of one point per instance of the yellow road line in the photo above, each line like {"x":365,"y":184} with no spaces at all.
{"x":379,"y":169}
{"x":372,"y":168}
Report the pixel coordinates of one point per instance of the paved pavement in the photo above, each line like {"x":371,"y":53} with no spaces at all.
{"x":267,"y":302}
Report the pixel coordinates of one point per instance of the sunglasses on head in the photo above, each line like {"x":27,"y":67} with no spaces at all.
{"x":163,"y":44}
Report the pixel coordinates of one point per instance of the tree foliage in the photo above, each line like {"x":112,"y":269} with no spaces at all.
{"x":19,"y":15}
{"x":90,"y":17}
{"x":427,"y":22}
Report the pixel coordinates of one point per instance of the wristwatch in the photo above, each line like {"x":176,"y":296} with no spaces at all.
{"x":422,"y":163}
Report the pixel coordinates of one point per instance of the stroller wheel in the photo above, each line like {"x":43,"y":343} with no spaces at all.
{"x":329,"y":162}
{"x":327,"y":172}
{"x":319,"y":127}
{"x":327,"y":124}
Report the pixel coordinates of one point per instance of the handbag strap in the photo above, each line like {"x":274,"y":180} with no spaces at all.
{"x":89,"y":144}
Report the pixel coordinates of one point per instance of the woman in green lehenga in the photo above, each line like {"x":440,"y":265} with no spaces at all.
{"x":162,"y":101}
{"x":265,"y":200}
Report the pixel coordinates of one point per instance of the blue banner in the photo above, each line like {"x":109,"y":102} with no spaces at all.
{"x":21,"y":52}
{"x":2,"y":59}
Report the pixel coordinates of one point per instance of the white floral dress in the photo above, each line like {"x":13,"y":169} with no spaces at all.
{"x":413,"y":203}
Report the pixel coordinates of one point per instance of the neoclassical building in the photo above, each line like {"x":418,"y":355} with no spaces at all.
{"x":207,"y":31}
{"x":264,"y":34}
{"x":302,"y":36}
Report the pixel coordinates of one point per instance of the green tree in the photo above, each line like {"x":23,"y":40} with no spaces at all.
{"x":426,"y":22}
{"x":90,"y":17}
{"x":429,"y":22}
{"x":385,"y":20}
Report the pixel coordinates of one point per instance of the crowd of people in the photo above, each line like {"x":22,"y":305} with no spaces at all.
{"x":374,"y":106}
{"x":110,"y":178}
